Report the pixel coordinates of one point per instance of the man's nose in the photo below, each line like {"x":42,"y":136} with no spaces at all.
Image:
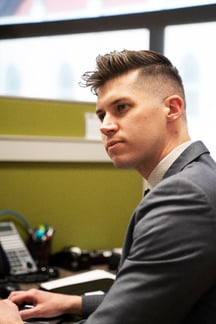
{"x":108,"y":126}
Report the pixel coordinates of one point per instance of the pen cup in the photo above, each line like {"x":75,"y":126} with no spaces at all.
{"x":39,"y":244}
{"x":40,"y":251}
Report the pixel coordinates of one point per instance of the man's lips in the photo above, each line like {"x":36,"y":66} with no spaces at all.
{"x":112,"y":145}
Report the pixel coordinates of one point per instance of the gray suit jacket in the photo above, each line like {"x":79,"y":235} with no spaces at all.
{"x":167,"y":272}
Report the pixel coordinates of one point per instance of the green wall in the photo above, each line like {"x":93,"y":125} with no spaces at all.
{"x":43,"y":117}
{"x":88,"y":204}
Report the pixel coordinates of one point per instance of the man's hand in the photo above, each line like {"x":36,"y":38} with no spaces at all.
{"x":9,"y":313}
{"x":46,"y":304}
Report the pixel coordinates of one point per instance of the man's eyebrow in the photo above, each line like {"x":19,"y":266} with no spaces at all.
{"x":99,"y":111}
{"x":118,"y":100}
{"x":114,"y":102}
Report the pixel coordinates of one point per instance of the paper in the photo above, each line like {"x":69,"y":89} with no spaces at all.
{"x":92,"y":125}
{"x":77,"y":279}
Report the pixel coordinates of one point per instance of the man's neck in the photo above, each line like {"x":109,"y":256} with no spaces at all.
{"x":158,"y":172}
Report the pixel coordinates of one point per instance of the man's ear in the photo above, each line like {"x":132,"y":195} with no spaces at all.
{"x":175,"y":107}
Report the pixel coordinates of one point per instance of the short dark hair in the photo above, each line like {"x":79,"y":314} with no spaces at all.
{"x":116,"y":63}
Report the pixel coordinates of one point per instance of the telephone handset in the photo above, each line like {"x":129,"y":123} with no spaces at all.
{"x":4,"y":264}
{"x":14,"y":255}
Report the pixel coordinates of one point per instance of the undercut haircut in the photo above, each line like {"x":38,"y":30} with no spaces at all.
{"x":117,"y":63}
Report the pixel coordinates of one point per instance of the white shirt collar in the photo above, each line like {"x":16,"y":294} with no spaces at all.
{"x":157,"y":174}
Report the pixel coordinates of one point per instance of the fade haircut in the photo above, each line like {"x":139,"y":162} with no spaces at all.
{"x":117,"y":63}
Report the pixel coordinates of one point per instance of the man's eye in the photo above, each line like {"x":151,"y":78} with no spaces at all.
{"x":122,"y":107}
{"x":101,"y":117}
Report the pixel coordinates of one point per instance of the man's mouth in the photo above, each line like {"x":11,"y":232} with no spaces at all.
{"x":111,"y":145}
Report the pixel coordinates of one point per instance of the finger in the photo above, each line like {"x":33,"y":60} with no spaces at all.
{"x":29,"y":313}
{"x":21,"y":299}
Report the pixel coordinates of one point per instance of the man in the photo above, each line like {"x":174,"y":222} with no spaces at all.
{"x":168,"y":265}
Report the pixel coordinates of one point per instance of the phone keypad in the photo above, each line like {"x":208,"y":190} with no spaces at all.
{"x":13,"y":259}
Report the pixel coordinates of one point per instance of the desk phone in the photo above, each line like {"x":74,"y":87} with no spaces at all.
{"x":19,"y":258}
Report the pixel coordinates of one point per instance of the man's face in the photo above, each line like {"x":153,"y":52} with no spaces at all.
{"x":133,"y":123}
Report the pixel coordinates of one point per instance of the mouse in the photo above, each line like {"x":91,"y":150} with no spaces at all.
{"x":7,"y":288}
{"x":25,"y":306}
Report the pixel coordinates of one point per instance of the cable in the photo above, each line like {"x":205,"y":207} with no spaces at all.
{"x":19,"y":216}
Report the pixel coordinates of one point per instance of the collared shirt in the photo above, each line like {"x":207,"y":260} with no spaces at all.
{"x":157,"y":174}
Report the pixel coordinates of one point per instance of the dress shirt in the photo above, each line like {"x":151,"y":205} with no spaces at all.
{"x":158,"y":172}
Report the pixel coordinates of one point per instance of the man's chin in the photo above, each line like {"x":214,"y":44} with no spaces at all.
{"x":121,"y":164}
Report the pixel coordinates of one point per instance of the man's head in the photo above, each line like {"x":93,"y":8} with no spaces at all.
{"x":141,"y":105}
